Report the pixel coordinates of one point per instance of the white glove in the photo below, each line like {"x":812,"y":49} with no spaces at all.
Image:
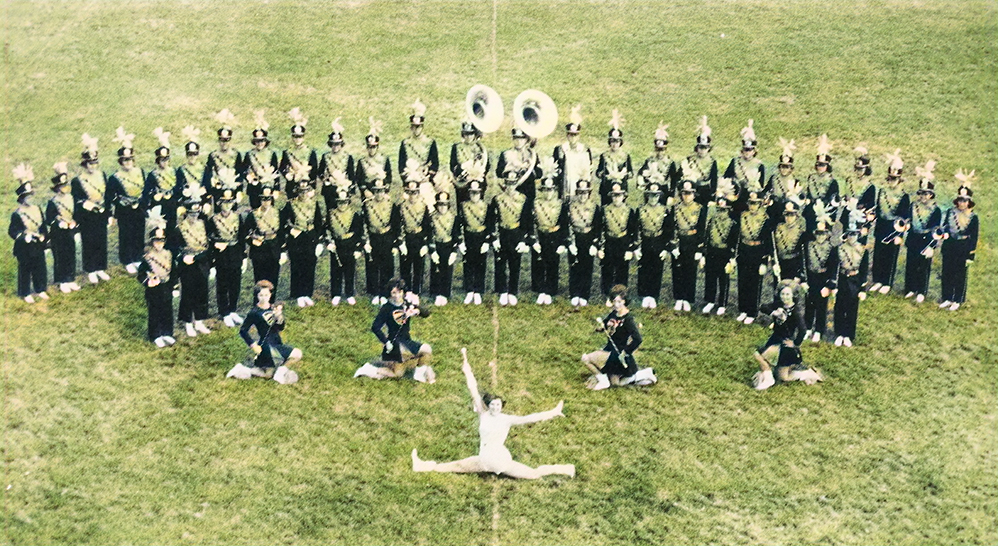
{"x":28,"y":238}
{"x":245,"y":265}
{"x":675,"y":253}
{"x":762,"y":269}
{"x":452,"y":259}
{"x":702,"y":261}
{"x":825,"y":292}
{"x":897,"y":240}
{"x":284,"y":258}
{"x":176,"y":293}
{"x":593,"y":251}
{"x":698,"y":256}
{"x":462,"y":248}
{"x":496,"y":245}
{"x":637,"y":253}
{"x":628,"y":256}
{"x":318,"y":250}
{"x":77,"y":237}
{"x":388,"y":346}
{"x":423,"y":250}
{"x":928,"y":252}
{"x":670,"y":201}
{"x":662,"y":255}
{"x":600,"y":254}
{"x":777,"y":270}
{"x":357,"y":254}
{"x":331,"y":246}
{"x":969,"y":262}
{"x":188,"y":259}
{"x":367,"y":248}
{"x":435,"y":258}
{"x":573,"y":249}
{"x":484,"y":249}
{"x":729,"y":268}
{"x":536,"y":247}
{"x":862,"y":296}
{"x":403,"y":250}
{"x":522,"y":247}
{"x":110,"y":220}
{"x":212,"y":273}
{"x":561,"y":249}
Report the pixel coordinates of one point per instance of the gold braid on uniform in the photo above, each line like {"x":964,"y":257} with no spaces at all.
{"x":818,"y":253}
{"x":412,"y":216}
{"x":267,"y":221}
{"x":616,"y":220}
{"x":340,"y":222}
{"x":850,"y":256}
{"x":304,"y":208}
{"x":742,"y":174}
{"x":165,"y":176}
{"x":510,"y":208}
{"x":687,"y":215}
{"x":132,"y":185}
{"x":888,"y":200}
{"x":752,"y":224}
{"x":582,"y":213}
{"x":64,"y":202}
{"x":379,"y":216}
{"x":227,"y":226}
{"x":334,"y":163}
{"x":920,"y":214}
{"x":32,"y":219}
{"x":443,"y":226}
{"x":221,"y":160}
{"x":160,"y":263}
{"x":959,"y":221}
{"x":194,"y":235}
{"x":788,"y":234}
{"x":652,"y":219}
{"x":474,"y":214}
{"x":822,"y":181}
{"x":92,"y":188}
{"x":694,"y":163}
{"x":720,"y":227}
{"x":546,"y":213}
{"x":420,"y":148}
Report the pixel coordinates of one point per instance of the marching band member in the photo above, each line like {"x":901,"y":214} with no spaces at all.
{"x":585,"y":218}
{"x":418,"y":147}
{"x":62,"y":229}
{"x":93,"y":204}
{"x":659,"y":167}
{"x":519,"y":166}
{"x":192,"y":172}
{"x":655,"y":231}
{"x":755,"y":245}
{"x":493,"y":428}
{"x":161,"y":183}
{"x":821,"y":264}
{"x":227,"y":232}
{"x":345,"y":226}
{"x":549,"y":228}
{"x":508,"y":218}
{"x":445,"y":235}
{"x":620,"y":228}
{"x":689,"y":219}
{"x":789,"y":236}
{"x":746,"y":170}
{"x":893,"y":209}
{"x":926,"y":217}
{"x":299,"y":161}
{"x":266,"y":239}
{"x":303,"y":222}
{"x":783,"y":180}
{"x":224,"y":158}
{"x":193,"y":256}
{"x":156,"y":273}
{"x":259,"y":168}
{"x":400,"y":353}
{"x":336,"y":168}
{"x":614,"y":365}
{"x":30,"y":234}
{"x":373,"y":167}
{"x":382,"y":221}
{"x":782,"y":349}
{"x":850,"y":281}
{"x":859,"y":185}
{"x":468,"y":155}
{"x":414,"y":238}
{"x":271,"y":353}
{"x":821,"y":184}
{"x":125,"y":193}
{"x":476,"y":238}
{"x":961,"y":227}
{"x":700,"y":167}
{"x":720,"y":241}
{"x":574,"y":159}
{"x":614,"y":164}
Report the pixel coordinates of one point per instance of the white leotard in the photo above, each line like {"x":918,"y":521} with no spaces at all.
{"x":492,"y":452}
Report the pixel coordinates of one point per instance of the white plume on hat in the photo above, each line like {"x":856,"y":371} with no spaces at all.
{"x":894,"y":160}
{"x":413,"y":170}
{"x":661,"y":133}
{"x":964,"y":177}
{"x":615,"y":119}
{"x":259,"y":121}
{"x":794,"y":188}
{"x":225,"y":117}
{"x":89,"y":142}
{"x":824,"y":145}
{"x":925,"y":173}
{"x":575,"y":116}
{"x":788,"y":146}
{"x":125,"y":139}
{"x":725,"y":188}
{"x":297,"y":117}
{"x":162,"y":136}
{"x":861,"y":150}
{"x":336,"y":125}
{"x":23,"y":173}
{"x":191,"y":133}
{"x":474,"y":169}
{"x":228,"y":177}
{"x":748,"y":133}
{"x":300,"y":171}
{"x":62,"y":167}
{"x":822,"y":213}
{"x":375,"y":126}
{"x":549,"y":167}
{"x":268,"y":174}
{"x":705,"y":130}
{"x":340,"y":178}
{"x":418,"y":108}
{"x":194,"y":192}
{"x":155,"y":218}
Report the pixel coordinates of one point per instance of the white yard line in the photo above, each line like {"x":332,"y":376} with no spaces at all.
{"x":494,"y":366}
{"x":495,"y":52}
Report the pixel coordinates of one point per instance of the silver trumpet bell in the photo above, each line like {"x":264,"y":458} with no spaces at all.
{"x":535,"y":113}
{"x":484,"y":108}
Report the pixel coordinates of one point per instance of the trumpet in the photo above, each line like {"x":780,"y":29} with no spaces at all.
{"x":900,"y":226}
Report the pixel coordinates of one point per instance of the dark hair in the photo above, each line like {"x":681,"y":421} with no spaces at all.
{"x":487,"y":398}
{"x":260,"y":285}
{"x":619,"y":290}
{"x":396,"y":282}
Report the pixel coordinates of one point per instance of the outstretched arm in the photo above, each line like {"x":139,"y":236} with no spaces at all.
{"x":537,"y":417}
{"x":476,"y":398}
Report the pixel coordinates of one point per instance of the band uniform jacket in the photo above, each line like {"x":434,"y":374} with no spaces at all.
{"x":423,"y":150}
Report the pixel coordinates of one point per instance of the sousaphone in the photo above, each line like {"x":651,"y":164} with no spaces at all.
{"x":484,"y":108}
{"x":535,"y":113}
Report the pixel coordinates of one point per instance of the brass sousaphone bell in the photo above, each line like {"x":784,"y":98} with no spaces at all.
{"x":535,"y":113}
{"x":484,"y":108}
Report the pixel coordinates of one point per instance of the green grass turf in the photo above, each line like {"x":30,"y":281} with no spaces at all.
{"x":108,"y":441}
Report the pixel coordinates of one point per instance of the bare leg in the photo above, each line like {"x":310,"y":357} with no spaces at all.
{"x":595,"y":361}
{"x":524,"y":472}
{"x":468,"y":465}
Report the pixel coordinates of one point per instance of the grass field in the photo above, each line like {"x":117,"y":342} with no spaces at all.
{"x":109,"y":441}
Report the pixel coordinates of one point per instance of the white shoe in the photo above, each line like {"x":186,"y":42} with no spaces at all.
{"x":678,"y":306}
{"x":838,"y":341}
{"x":227,"y":320}
{"x":367,"y":370}
{"x":200,"y":327}
{"x":170,"y":340}
{"x":190,"y":330}
{"x":513,"y":300}
{"x":65,"y":288}
{"x":885,"y":289}
{"x":376,"y":300}
{"x":920,"y":298}
{"x":301,"y":302}
{"x":686,"y":306}
{"x":42,"y":295}
{"x":309,"y":302}
{"x":708,"y":308}
{"x":876,"y":287}
{"x":103,"y":275}
{"x":74,"y":286}
{"x":469,"y":297}
{"x":816,"y":337}
{"x":847,"y":342}
{"x":335,"y":301}
{"x":236,"y":318}
{"x":764,"y":380}
{"x":909,"y":295}
{"x":29,"y":298}
{"x":653,"y":304}
{"x":478,"y":299}
{"x":504,"y":299}
{"x":92,"y":277}
{"x":945,"y":304}
{"x":285,"y":376}
{"x":749,"y":320}
{"x":131,"y":269}
{"x":424,"y":374}
{"x":609,"y":303}
{"x":583,"y":303}
{"x":439,"y":301}
{"x":721,"y":310}
{"x":598,"y":382}
{"x":160,"y":342}
{"x":741,"y":317}
{"x":954,"y":306}
{"x":540,"y":299}
{"x":351,"y":301}
{"x":575,"y":302}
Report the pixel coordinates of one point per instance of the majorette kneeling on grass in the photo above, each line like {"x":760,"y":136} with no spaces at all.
{"x":614,"y":364}
{"x":782,"y":349}
{"x":400,"y":353}
{"x":271,"y":356}
{"x":493,"y":428}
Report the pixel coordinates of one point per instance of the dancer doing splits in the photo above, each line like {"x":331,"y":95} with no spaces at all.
{"x":493,"y":428}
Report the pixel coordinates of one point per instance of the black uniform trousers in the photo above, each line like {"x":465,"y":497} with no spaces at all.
{"x":955,"y":256}
{"x":684,"y":271}
{"x":342,"y":272}
{"x":816,"y":305}
{"x":93,"y":235}
{"x":131,"y":234}
{"x":442,"y":273}
{"x":380,"y":264}
{"x":792,"y":267}
{"x":228,"y":278}
{"x":159,"y":303}
{"x":749,"y":279}
{"x":301,"y":254}
{"x":508,"y":261}
{"x":266,"y":260}
{"x":613,"y":267}
{"x":885,"y":262}
{"x":548,"y":262}
{"x":580,"y":266}
{"x":193,"y":290}
{"x":650,"y":268}
{"x":917,"y":267}
{"x":847,"y":306}
{"x":31,"y":269}
{"x":63,"y":254}
{"x":474,"y":262}
{"x":716,"y":281}
{"x":413,"y":266}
